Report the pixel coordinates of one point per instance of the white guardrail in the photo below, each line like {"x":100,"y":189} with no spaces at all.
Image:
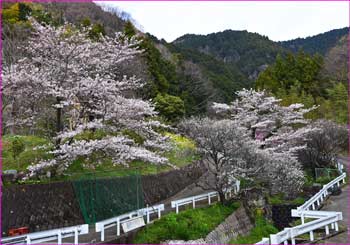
{"x":181,"y":202}
{"x":308,"y":210}
{"x":50,"y":235}
{"x":59,"y":234}
{"x":119,"y":220}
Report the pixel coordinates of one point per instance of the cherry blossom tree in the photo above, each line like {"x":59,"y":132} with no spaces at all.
{"x":281,"y":128}
{"x":230,"y":153}
{"x":59,"y":61}
{"x":324,"y":145}
{"x":79,"y":79}
{"x":254,"y":138}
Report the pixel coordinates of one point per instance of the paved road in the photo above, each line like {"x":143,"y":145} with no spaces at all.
{"x":340,"y":203}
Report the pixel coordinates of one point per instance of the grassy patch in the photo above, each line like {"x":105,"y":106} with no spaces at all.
{"x":107,"y":169}
{"x":324,"y":180}
{"x":187,"y":225}
{"x":280,"y":199}
{"x":183,"y":153}
{"x":25,"y":158}
{"x":262,"y":229}
{"x":298,"y":221}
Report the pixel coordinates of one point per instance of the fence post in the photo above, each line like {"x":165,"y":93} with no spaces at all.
{"x":273,"y":239}
{"x":28,"y":240}
{"x":177,"y":208}
{"x":291,"y":232}
{"x":193,"y":202}
{"x":103,"y":233}
{"x":147,"y":216}
{"x":59,"y":237}
{"x":336,"y":226}
{"x":76,"y":235}
{"x":159,"y":213}
{"x":118,"y":227}
{"x":327,"y":230}
{"x":209,"y":201}
{"x":293,"y":240}
{"x":311,"y":235}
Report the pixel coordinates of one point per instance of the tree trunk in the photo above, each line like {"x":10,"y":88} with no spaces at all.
{"x":13,"y":115}
{"x":58,"y":120}
{"x":222,"y":197}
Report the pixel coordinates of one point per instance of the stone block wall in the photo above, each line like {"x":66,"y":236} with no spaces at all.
{"x":39,"y":207}
{"x":236,"y":224}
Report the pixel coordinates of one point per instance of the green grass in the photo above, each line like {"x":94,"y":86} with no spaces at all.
{"x":324,"y":180}
{"x":190,"y":224}
{"x":280,"y":199}
{"x":28,"y":156}
{"x":182,"y":153}
{"x":107,"y":169}
{"x":262,"y":228}
{"x":298,"y":221}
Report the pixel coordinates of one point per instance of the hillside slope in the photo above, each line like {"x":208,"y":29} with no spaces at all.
{"x":74,"y":12}
{"x":249,"y":52}
{"x":320,"y":43}
{"x":336,"y":60}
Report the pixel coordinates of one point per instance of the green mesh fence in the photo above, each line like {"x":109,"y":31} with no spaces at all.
{"x":103,"y":198}
{"x":326,"y":173}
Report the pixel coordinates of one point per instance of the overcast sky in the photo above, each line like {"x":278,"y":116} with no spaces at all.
{"x":278,"y":20}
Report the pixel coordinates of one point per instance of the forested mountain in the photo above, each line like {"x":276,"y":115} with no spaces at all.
{"x":248,"y":52}
{"x":205,"y":78}
{"x":336,"y":60}
{"x":320,"y":43}
{"x":78,"y":12}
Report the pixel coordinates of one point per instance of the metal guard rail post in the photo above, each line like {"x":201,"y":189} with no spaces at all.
{"x":118,"y":220}
{"x":323,"y":218}
{"x":193,"y":199}
{"x":45,"y":236}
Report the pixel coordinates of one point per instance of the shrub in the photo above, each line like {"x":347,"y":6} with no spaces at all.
{"x":187,"y":225}
{"x":17,"y":146}
{"x":171,"y":107}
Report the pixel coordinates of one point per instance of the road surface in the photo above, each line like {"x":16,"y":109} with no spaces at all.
{"x":340,"y":203}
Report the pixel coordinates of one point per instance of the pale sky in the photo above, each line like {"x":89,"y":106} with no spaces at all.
{"x":278,"y":20}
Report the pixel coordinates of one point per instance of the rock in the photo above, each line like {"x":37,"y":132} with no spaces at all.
{"x":9,"y":175}
{"x":335,"y":190}
{"x":10,"y":171}
{"x":198,"y":241}
{"x":255,"y":198}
